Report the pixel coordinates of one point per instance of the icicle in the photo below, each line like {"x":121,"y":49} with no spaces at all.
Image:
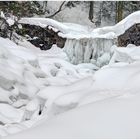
{"x":96,"y":51}
{"x":78,"y":52}
{"x":88,"y":52}
{"x":69,"y":48}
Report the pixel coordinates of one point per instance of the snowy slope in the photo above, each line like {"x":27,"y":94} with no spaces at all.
{"x":114,"y":113}
{"x":111,"y":118}
{"x":127,"y":54}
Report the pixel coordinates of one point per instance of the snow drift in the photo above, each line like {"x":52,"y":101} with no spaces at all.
{"x":31,"y":80}
{"x":111,"y":118}
{"x":111,"y":110}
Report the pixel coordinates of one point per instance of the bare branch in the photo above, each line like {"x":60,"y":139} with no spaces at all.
{"x":59,"y":10}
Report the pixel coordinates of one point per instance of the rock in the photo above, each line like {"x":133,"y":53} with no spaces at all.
{"x":131,"y":36}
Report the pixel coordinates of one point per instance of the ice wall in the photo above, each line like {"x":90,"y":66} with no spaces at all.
{"x":96,"y":51}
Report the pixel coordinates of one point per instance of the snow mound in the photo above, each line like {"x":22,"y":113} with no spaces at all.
{"x":75,"y":31}
{"x":30,"y":82}
{"x":127,"y":54}
{"x":119,"y":28}
{"x":112,"y":109}
{"x":111,"y":118}
{"x":66,"y":30}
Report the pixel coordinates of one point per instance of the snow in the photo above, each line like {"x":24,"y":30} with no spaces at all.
{"x":32,"y":105}
{"x":52,"y":93}
{"x":10,"y":20}
{"x":37,"y":88}
{"x":103,"y":99}
{"x":95,"y":48}
{"x":120,"y":27}
{"x":111,"y":118}
{"x":2,"y":14}
{"x":75,"y":31}
{"x":127,"y":54}
{"x":66,"y":30}
{"x":111,"y":110}
{"x":33,"y":80}
{"x":11,"y":114}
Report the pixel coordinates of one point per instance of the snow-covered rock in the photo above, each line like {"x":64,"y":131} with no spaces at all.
{"x":127,"y":54}
{"x":120,"y":27}
{"x":26,"y":75}
{"x":111,"y":118}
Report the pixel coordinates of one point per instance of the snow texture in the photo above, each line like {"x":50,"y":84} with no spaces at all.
{"x":111,"y":107}
{"x":31,"y":80}
{"x":66,"y":30}
{"x":36,"y":86}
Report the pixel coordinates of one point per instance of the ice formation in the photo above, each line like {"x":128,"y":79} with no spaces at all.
{"x":86,"y":45}
{"x":95,"y":51}
{"x":82,"y":45}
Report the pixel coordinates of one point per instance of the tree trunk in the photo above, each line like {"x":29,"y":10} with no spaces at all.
{"x":91,"y":11}
{"x":44,"y":6}
{"x":119,"y":11}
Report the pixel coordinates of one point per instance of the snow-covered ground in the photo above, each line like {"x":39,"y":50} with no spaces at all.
{"x":31,"y":80}
{"x":111,"y":118}
{"x":111,"y":107}
{"x":38,"y":87}
{"x":35,"y":81}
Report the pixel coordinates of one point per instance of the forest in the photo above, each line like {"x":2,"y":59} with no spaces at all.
{"x":69,"y":69}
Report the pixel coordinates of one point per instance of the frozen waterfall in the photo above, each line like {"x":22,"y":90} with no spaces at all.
{"x":96,"y":51}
